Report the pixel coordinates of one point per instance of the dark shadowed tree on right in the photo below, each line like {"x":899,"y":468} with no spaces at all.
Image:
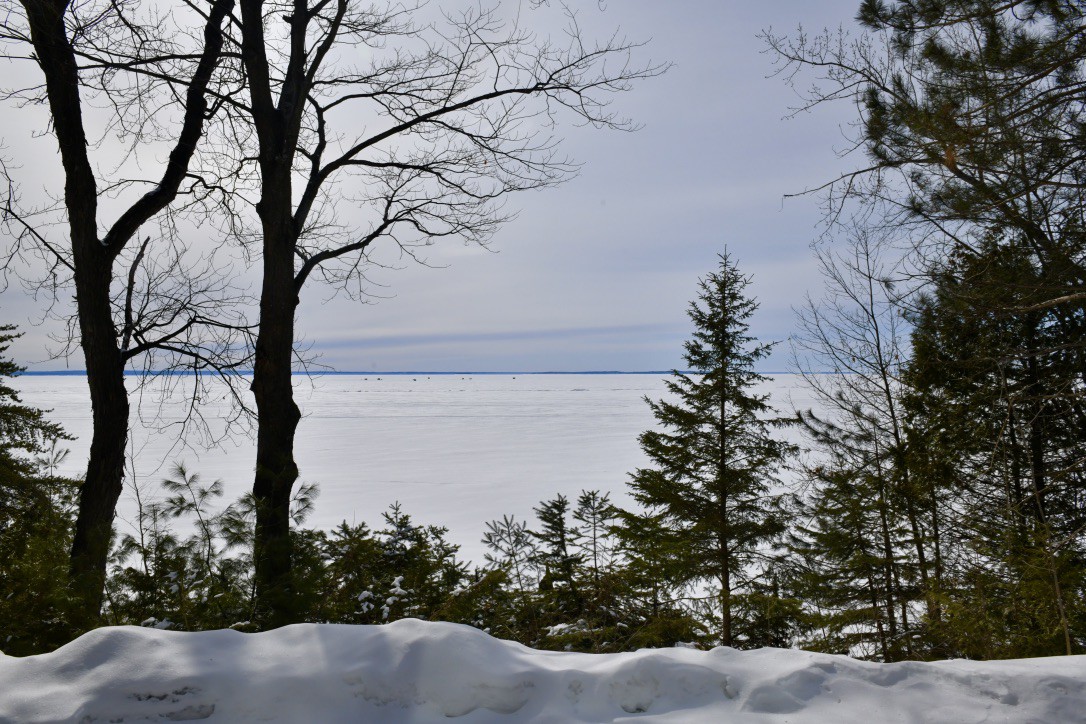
{"x":996,"y":412}
{"x":970,"y":114}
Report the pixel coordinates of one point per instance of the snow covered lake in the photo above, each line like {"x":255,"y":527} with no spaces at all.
{"x":455,"y":450}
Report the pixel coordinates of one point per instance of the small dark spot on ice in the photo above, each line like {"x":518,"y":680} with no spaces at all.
{"x":191,"y":713}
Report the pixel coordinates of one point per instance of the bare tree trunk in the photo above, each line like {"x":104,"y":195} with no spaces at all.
{"x":880,"y":630}
{"x":937,"y":550}
{"x":888,"y":563}
{"x":726,"y":600}
{"x":1037,"y":467}
{"x":105,"y":469}
{"x":276,"y":125}
{"x":93,"y":274}
{"x":278,"y":415}
{"x":91,"y":264}
{"x":898,"y":457}
{"x":1057,"y":589}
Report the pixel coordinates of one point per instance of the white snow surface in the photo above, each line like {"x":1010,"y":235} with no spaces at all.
{"x":455,"y":450}
{"x":415,"y":671}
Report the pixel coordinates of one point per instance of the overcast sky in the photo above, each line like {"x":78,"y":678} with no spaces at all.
{"x":596,"y":274}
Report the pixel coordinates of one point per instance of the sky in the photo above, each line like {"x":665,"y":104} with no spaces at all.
{"x":597,"y":273}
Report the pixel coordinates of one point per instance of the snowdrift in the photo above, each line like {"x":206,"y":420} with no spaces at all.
{"x":413,"y":671}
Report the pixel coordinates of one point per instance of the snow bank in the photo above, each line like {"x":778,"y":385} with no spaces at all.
{"x":412,"y":671}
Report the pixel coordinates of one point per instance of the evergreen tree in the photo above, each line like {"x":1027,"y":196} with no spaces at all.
{"x":25,"y":435}
{"x":593,"y":538}
{"x":567,"y":587}
{"x":711,"y":510}
{"x":856,"y":331}
{"x":512,"y":550}
{"x":36,"y":518}
{"x":772,"y":613}
{"x":971,"y":115}
{"x":421,"y":564}
{"x":844,"y":573}
{"x":553,"y":554}
{"x":996,"y":408}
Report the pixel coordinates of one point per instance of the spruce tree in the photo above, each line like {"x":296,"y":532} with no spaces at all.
{"x":24,"y":434}
{"x":555,"y":538}
{"x":36,"y":518}
{"x":711,"y":510}
{"x":996,"y":410}
{"x":845,"y":571}
{"x":592,"y":539}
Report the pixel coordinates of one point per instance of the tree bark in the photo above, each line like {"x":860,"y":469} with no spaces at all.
{"x":105,"y":468}
{"x":277,"y":413}
{"x":92,"y":266}
{"x":726,"y":601}
{"x":888,"y":562}
{"x":93,"y":274}
{"x":276,"y":127}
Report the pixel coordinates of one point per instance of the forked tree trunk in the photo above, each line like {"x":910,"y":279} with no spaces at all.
{"x":92,"y":264}
{"x":277,"y":122}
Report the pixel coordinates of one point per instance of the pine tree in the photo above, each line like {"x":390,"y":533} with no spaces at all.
{"x":997,"y":411}
{"x":36,"y":518}
{"x":592,"y":539}
{"x":555,"y":538}
{"x":510,"y":548}
{"x":710,"y":506}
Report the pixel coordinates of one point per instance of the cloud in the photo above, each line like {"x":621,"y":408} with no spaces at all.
{"x":597,"y":273}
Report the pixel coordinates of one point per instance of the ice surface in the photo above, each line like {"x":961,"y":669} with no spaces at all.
{"x":456,"y":450}
{"x":414,"y":671}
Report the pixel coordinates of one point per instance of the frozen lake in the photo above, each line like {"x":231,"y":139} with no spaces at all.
{"x":455,"y":450}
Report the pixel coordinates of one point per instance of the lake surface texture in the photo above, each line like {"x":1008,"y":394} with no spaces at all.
{"x":454,"y":450}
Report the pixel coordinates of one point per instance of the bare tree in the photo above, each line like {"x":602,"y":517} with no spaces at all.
{"x":422,"y":126}
{"x":135,"y":299}
{"x":857,"y":332}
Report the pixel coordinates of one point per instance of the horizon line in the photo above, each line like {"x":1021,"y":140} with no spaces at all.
{"x":361,"y":373}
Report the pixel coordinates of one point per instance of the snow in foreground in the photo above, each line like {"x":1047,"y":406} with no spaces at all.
{"x":412,"y":671}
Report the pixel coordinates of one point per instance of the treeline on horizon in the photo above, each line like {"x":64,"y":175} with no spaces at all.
{"x":939,"y":508}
